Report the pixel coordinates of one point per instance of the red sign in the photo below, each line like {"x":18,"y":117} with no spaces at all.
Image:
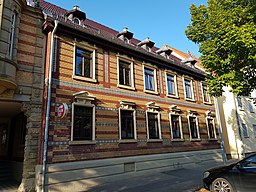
{"x":62,"y":110}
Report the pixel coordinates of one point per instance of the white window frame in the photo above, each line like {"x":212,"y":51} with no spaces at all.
{"x":191,"y":86}
{"x":214,"y":128}
{"x":254,"y":129}
{"x":134,"y":124}
{"x":85,"y":46}
{"x":127,"y":60}
{"x":250,"y":106}
{"x":202,"y":88}
{"x":93,"y":124}
{"x":155,"y":78}
{"x":239,"y":103}
{"x":247,"y":131}
{"x":175,"y":84}
{"x":197,"y":128}
{"x":12,"y":34}
{"x":180,"y":124}
{"x":159,"y":124}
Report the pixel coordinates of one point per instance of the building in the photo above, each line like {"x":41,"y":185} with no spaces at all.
{"x":238,"y":121}
{"x":117,"y":105}
{"x":21,"y":87}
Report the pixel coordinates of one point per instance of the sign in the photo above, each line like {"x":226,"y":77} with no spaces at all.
{"x":63,"y":110}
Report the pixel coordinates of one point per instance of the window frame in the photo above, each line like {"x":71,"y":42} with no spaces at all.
{"x":154,"y":69}
{"x":180,"y":126}
{"x":134,"y":125}
{"x":214,"y":128}
{"x":14,"y":17}
{"x":239,"y":103}
{"x":175,"y":84}
{"x":158,"y":123}
{"x":197,"y":128}
{"x":245,"y":127}
{"x":254,"y":129}
{"x":72,"y":141}
{"x":190,"y":80}
{"x":250,"y":106}
{"x":92,"y":49}
{"x":131,"y":62}
{"x":203,"y":84}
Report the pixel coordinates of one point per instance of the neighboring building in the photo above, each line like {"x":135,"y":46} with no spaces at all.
{"x":238,"y":121}
{"x":21,"y":85}
{"x":118,"y":105}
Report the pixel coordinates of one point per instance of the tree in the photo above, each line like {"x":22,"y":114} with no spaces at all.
{"x":225,"y":31}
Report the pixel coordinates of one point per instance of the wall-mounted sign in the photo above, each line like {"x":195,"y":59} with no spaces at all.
{"x":63,"y":110}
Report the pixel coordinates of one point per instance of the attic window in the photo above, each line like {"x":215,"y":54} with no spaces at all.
{"x":76,"y":21}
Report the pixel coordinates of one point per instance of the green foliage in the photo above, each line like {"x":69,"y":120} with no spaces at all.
{"x":226,"y":33}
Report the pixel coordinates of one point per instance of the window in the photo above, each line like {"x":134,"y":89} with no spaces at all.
{"x":171,"y":84}
{"x":83,"y":122}
{"x":239,"y":103}
{"x":125,"y":72}
{"x":206,"y":96}
{"x":176,"y":127}
{"x":250,"y":106}
{"x":254,"y":129}
{"x":76,"y":20}
{"x":193,"y":127}
{"x":84,"y":63}
{"x":245,"y":130}
{"x":150,"y":83}
{"x":153,"y":125}
{"x":12,"y":34}
{"x":211,"y":128}
{"x":188,"y":88}
{"x":127,"y":126}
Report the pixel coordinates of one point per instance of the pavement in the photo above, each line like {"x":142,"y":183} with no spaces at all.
{"x":183,"y":179}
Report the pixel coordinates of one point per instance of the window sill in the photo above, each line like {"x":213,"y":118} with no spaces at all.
{"x":126,"y":87}
{"x":173,"y":96}
{"x":190,"y":100}
{"x":151,"y":92}
{"x":128,"y":141}
{"x":155,"y":140}
{"x":84,"y":79}
{"x":178,"y":140}
{"x":195,"y":139}
{"x":207,"y":103}
{"x":82,"y":142}
{"x":213,"y":139}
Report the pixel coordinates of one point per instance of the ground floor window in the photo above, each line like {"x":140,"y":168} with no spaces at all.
{"x":83,"y":122}
{"x":153,"y":125}
{"x":176,"y":127}
{"x":127,"y":124}
{"x":211,"y":128}
{"x":193,"y":127}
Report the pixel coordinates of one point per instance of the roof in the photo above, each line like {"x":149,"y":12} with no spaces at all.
{"x":97,"y":29}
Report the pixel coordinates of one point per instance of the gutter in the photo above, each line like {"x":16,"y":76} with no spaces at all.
{"x":48,"y":107}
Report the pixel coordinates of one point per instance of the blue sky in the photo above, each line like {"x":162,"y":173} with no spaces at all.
{"x":163,"y":21}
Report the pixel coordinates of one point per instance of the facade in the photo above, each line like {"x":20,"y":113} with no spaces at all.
{"x":21,"y":88}
{"x":118,"y":105}
{"x":238,"y":121}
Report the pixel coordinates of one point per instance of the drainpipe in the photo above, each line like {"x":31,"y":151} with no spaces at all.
{"x":48,"y":106}
{"x":223,"y":151}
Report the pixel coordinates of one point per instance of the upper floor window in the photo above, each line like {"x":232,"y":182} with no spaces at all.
{"x":254,"y":129}
{"x":176,"y":128}
{"x":12,"y":34}
{"x":188,"y":89}
{"x":251,"y":109}
{"x":171,"y":84}
{"x":150,"y":83}
{"x":206,"y":96}
{"x":211,"y":128}
{"x":239,"y":103}
{"x":84,"y":64}
{"x":193,"y":127}
{"x":245,"y":130}
{"x":125,"y":73}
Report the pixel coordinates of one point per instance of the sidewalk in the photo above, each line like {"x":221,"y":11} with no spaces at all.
{"x":185,"y":179}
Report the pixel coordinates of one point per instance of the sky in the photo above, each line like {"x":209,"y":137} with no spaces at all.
{"x":163,"y":21}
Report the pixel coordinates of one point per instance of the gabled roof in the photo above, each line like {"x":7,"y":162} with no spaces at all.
{"x":55,"y":12}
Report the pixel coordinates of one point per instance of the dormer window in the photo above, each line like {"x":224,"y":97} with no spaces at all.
{"x":76,"y":15}
{"x":164,"y":51}
{"x":189,"y":62}
{"x":125,"y":35}
{"x":147,"y":44}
